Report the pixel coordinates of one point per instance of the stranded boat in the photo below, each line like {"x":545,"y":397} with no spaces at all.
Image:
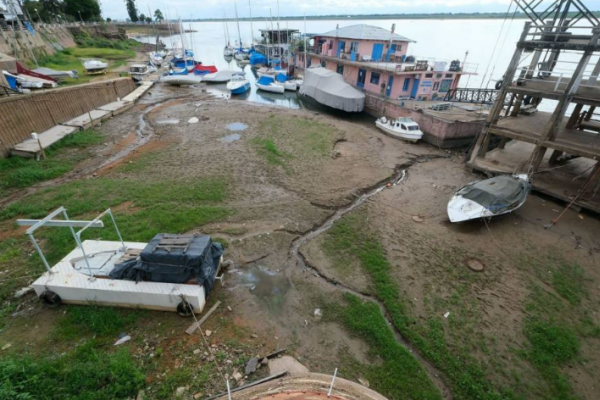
{"x":222,"y":76}
{"x":489,"y":198}
{"x":95,"y":66}
{"x":181,"y":80}
{"x":400,"y":128}
{"x":269,"y":84}
{"x":238,"y":85}
{"x":170,"y":273}
{"x":329,"y":89}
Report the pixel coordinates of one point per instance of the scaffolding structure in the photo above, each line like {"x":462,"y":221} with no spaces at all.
{"x":556,"y":60}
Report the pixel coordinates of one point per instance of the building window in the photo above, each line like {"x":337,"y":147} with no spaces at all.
{"x":446,"y":85}
{"x":436,"y":85}
{"x":375,"y":78}
{"x":438,"y":75}
{"x":428,"y":75}
{"x":448,"y":75}
{"x":323,"y":64}
{"x":330,"y":44}
{"x":406,"y":84}
{"x":340,"y":69}
{"x":353,"y":47}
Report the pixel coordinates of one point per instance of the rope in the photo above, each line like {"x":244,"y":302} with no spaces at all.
{"x":502,"y":46}
{"x":496,"y":44}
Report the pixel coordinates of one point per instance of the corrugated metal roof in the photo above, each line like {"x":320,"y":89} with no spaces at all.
{"x":365,"y":32}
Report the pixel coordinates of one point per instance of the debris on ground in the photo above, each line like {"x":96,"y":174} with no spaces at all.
{"x":122,"y":339}
{"x":286,"y":363}
{"x":208,"y":333}
{"x":251,"y":366}
{"x":364,"y":382}
{"x":318,"y":313}
{"x":193,"y":120}
{"x":237,"y":376}
{"x":416,"y":218}
{"x":447,"y":314}
{"x":6,"y":346}
{"x":23,"y":291}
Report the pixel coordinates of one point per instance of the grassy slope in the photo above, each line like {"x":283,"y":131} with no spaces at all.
{"x":17,"y":172}
{"x":554,"y":326}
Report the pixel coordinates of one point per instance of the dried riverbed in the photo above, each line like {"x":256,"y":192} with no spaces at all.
{"x":289,"y":179}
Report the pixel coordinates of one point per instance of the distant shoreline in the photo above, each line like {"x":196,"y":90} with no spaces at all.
{"x":518,"y":15}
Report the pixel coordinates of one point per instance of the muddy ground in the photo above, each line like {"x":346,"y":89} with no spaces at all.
{"x":324,"y":164}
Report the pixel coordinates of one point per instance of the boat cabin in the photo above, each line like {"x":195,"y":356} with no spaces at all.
{"x":138,"y":71}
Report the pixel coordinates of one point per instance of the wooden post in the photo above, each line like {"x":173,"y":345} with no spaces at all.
{"x":575,"y":116}
{"x":479,"y":149}
{"x":551,"y":129}
{"x":589,"y":113}
{"x":517,"y":107}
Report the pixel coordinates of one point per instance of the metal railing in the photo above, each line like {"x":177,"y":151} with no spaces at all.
{"x":468,"y":95}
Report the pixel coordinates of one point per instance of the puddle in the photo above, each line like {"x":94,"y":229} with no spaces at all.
{"x":230,"y":138}
{"x":237,"y":126}
{"x":167,"y":122}
{"x":269,"y":286}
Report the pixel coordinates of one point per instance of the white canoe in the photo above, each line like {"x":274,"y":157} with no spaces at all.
{"x":401,"y":128}
{"x":181,"y":80}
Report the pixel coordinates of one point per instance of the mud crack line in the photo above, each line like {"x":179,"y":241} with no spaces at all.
{"x":396,"y":179}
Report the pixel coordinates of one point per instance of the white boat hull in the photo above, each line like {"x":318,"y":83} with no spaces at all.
{"x":181,"y":80}
{"x":77,"y":287}
{"x":273,"y":88}
{"x":290,"y":85}
{"x":409,"y":137}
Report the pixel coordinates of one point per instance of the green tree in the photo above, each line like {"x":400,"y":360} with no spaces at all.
{"x":132,"y":10}
{"x":148,"y":19}
{"x":89,"y":9}
{"x":142,"y":17}
{"x":158,"y":15}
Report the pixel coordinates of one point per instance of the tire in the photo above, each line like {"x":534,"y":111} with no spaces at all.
{"x":185,"y":309}
{"x":498,"y":85}
{"x":50,"y":299}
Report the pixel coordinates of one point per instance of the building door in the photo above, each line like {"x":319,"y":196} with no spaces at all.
{"x":415,"y":89}
{"x":377,"y":52}
{"x":391,"y":50}
{"x":340,"y":48}
{"x":388,"y":90}
{"x":362,"y":75}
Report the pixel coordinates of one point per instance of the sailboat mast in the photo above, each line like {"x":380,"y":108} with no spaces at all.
{"x":305,"y":51}
{"x":237,"y":19}
{"x":278,"y":30}
{"x":251,"y":27}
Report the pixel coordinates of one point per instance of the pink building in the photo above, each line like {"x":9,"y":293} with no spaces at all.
{"x":377,"y":61}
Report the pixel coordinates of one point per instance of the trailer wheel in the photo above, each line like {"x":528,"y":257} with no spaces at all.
{"x":185,"y":309}
{"x":50,"y":299}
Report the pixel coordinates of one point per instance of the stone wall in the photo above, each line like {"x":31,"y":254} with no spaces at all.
{"x":45,"y":40}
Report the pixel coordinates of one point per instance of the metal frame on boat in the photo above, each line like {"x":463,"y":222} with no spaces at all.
{"x":82,"y":276}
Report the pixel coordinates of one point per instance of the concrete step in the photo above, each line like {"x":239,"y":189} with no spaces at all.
{"x":31,"y":148}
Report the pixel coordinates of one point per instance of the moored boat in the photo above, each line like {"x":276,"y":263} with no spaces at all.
{"x":330,"y":90}
{"x":400,"y":128}
{"x":238,"y":85}
{"x":222,"y":76}
{"x":489,"y":198}
{"x":181,"y":80}
{"x":269,"y":84}
{"x":200,"y":69}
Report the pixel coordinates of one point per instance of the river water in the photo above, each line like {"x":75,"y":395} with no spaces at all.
{"x":489,"y":43}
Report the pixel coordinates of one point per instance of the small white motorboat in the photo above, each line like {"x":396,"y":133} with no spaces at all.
{"x":400,"y":128}
{"x":56,"y":74}
{"x":269,"y":84}
{"x":222,"y":76}
{"x":95,"y":66}
{"x":139,"y":71}
{"x":238,"y":85}
{"x":181,"y":80}
{"x":489,"y":198}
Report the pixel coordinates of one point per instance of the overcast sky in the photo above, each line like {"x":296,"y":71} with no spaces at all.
{"x":260,"y":8}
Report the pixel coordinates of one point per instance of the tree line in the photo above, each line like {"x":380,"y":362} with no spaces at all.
{"x":57,"y":11}
{"x":136,"y":16}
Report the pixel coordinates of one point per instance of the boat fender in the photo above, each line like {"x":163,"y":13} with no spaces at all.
{"x":50,"y":299}
{"x":498,"y":85}
{"x":185,"y":309}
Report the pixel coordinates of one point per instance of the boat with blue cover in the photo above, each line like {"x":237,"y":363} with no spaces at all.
{"x":269,"y":84}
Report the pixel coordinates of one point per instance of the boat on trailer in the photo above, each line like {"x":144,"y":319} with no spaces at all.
{"x":170,"y":273}
{"x":488,"y":198}
{"x":400,"y":128}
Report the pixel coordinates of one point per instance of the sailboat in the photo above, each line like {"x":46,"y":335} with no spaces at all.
{"x":228,"y":50}
{"x":240,"y":53}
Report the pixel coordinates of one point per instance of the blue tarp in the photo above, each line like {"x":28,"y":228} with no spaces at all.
{"x":266,"y":80}
{"x":281,"y":77}
{"x":12,"y":81}
{"x":257,"y":58}
{"x":29,"y":28}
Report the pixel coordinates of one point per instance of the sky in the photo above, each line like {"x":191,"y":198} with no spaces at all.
{"x":260,"y":8}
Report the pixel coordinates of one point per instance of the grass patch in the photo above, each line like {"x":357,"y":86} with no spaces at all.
{"x":465,"y":375}
{"x":399,"y":375}
{"x":269,"y":150}
{"x":283,"y":138}
{"x":96,"y":320}
{"x":18,"y":172}
{"x":86,"y":373}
